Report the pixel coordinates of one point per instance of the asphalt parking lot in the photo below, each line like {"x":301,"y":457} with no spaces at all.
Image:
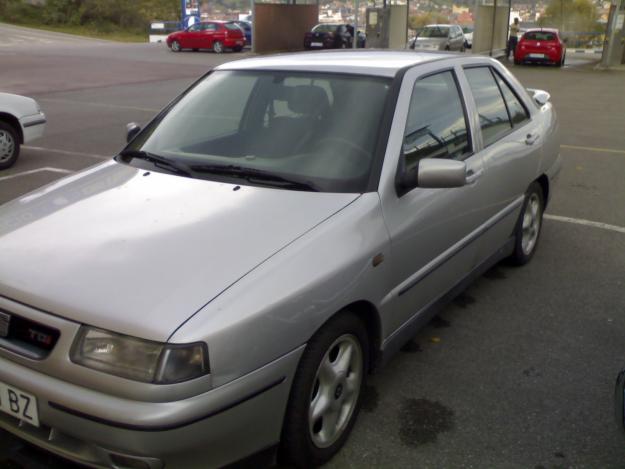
{"x":517,"y":372}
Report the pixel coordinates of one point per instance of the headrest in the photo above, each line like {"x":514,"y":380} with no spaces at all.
{"x":308,"y":99}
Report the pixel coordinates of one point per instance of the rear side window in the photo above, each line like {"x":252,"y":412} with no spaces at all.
{"x":436,"y":125}
{"x":539,"y":36}
{"x":494,"y":120}
{"x":209,"y":27}
{"x":518,"y":113}
{"x":232,"y":27}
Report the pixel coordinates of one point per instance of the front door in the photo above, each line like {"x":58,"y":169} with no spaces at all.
{"x":431,"y":230}
{"x":208,"y":35}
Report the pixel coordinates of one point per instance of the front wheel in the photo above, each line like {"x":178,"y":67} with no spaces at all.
{"x":325,"y":395}
{"x":528,"y":226}
{"x":175,"y":46}
{"x":9,"y":145}
{"x":218,"y":47}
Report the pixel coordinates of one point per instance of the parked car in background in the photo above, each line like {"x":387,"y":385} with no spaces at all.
{"x":21,"y":120}
{"x":468,"y":36}
{"x":246,"y":26}
{"x":252,"y":254}
{"x":332,"y":36}
{"x":214,"y":35}
{"x":540,"y":45}
{"x":439,"y":37}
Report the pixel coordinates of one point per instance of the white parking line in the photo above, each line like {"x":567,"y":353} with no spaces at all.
{"x":107,"y":105}
{"x":581,"y":221}
{"x":65,"y":152}
{"x":38,"y":170}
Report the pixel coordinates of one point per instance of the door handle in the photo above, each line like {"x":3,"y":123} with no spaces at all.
{"x":531,"y":138}
{"x":473,"y":176}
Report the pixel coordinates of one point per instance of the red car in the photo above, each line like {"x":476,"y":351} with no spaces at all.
{"x":215,"y":35}
{"x":540,"y":45}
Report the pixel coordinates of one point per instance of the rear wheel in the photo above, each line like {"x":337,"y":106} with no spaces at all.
{"x":528,"y":226}
{"x":517,"y":62}
{"x":237,"y":49}
{"x":561,"y":62}
{"x":218,"y":47}
{"x":325,"y":395}
{"x":9,"y":145}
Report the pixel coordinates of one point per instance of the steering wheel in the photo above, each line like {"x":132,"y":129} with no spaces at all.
{"x":361,"y":151}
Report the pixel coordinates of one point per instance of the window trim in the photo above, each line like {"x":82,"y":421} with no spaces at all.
{"x":512,"y":128}
{"x":528,"y":115}
{"x":452,"y":69}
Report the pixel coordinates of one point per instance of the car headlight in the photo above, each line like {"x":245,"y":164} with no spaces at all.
{"x":138,"y":359}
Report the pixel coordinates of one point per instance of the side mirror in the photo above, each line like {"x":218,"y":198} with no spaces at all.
{"x":132,"y":129}
{"x":541,"y":97}
{"x":432,"y":173}
{"x":441,"y":173}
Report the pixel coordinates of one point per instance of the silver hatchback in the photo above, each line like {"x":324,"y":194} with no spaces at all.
{"x":226,"y":283}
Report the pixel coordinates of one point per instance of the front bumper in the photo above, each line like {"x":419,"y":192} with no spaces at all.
{"x":33,"y":126}
{"x":212,"y":429}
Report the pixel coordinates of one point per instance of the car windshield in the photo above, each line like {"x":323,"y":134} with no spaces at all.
{"x":316,"y":128}
{"x":434,"y":31}
{"x":325,"y":28}
{"x":539,"y":36}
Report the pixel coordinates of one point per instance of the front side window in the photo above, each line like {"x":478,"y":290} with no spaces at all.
{"x":195,"y":28}
{"x":295,"y":126}
{"x":436,"y":126}
{"x":494,"y":120}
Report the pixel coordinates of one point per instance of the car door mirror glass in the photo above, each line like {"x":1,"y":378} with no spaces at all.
{"x":540,"y":96}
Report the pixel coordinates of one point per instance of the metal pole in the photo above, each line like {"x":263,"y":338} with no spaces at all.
{"x":252,"y":23}
{"x":355,"y":38}
{"x":492,"y":30}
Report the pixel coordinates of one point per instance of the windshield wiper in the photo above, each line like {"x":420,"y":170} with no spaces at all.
{"x":158,"y":161}
{"x":256,"y":175}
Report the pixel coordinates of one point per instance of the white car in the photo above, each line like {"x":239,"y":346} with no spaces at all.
{"x":21,"y":121}
{"x":468,"y":36}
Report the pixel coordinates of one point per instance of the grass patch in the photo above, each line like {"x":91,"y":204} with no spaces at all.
{"x":87,"y":31}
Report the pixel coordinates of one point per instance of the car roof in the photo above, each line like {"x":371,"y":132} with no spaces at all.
{"x":363,"y":62}
{"x":439,"y":25}
{"x":547,"y":30}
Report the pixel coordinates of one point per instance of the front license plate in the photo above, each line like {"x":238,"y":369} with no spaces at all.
{"x":537,"y":56}
{"x":316,"y":44}
{"x":19,"y":404}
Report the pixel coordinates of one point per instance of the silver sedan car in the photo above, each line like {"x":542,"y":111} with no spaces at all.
{"x":227,"y":282}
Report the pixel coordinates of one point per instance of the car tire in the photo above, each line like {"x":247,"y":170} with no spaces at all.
{"x":528,"y":226}
{"x":340,"y":351}
{"x":237,"y":49}
{"x":175,"y":46}
{"x":561,"y":62}
{"x":218,"y":47}
{"x":9,"y":145}
{"x":517,"y":62}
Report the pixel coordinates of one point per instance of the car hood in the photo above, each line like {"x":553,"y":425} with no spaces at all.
{"x":138,"y":252}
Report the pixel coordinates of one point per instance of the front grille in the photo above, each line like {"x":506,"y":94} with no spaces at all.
{"x":26,"y":337}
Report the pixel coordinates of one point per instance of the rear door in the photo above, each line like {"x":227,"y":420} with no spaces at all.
{"x":209,"y":30}
{"x":510,"y":146}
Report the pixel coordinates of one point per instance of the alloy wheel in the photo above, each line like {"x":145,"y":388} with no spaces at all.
{"x":531,"y":224}
{"x":7,"y":146}
{"x":335,"y":391}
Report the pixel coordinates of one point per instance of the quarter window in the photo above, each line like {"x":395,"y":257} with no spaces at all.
{"x":494,"y":119}
{"x":436,"y":125}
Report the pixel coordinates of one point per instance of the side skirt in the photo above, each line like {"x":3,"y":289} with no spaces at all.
{"x":392,"y":345}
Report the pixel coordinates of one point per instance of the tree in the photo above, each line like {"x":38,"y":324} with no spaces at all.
{"x":423,"y":19}
{"x":571,"y":15}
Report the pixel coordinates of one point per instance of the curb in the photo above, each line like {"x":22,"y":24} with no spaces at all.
{"x":588,"y":51}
